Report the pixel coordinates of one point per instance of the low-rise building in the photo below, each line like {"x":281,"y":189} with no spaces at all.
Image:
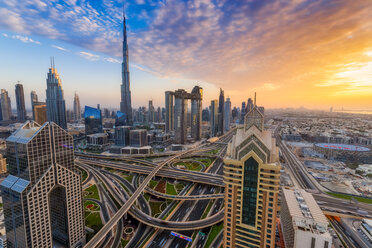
{"x":97,"y":139}
{"x":303,"y":222}
{"x":366,"y":228}
{"x":138,"y":138}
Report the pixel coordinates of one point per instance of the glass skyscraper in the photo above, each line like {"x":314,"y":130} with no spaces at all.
{"x":42,"y":195}
{"x":20,"y":100}
{"x":93,"y":120}
{"x":77,"y":108}
{"x":6,"y":109}
{"x":56,"y":109}
{"x":126,"y":100}
{"x":120,"y":119}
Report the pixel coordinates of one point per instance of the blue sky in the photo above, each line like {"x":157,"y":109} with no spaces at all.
{"x":293,"y":53}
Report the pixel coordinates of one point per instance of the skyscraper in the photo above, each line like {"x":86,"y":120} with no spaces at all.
{"x":34,"y":99}
{"x":40,"y":112}
{"x":251,"y":176}
{"x":120,"y":119}
{"x":221,"y":108}
{"x":249,"y":106}
{"x":6,"y":109}
{"x":227,"y":115}
{"x":56,"y":108}
{"x":42,"y":195}
{"x":169,"y":112}
{"x":213,"y":119}
{"x":150,"y":113}
{"x":77,"y":108}
{"x":93,"y":120}
{"x":20,"y":100}
{"x":196,"y":112}
{"x":243,"y":109}
{"x":180,"y":116}
{"x":126,"y":102}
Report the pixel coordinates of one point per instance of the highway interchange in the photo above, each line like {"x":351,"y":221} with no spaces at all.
{"x":186,"y":210}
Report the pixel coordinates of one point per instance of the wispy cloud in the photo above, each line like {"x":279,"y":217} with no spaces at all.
{"x":293,"y":45}
{"x":112,"y":60}
{"x":60,"y":48}
{"x":22,"y":38}
{"x":89,"y":56}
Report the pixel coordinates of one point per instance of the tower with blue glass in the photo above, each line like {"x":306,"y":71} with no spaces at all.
{"x":93,"y":120}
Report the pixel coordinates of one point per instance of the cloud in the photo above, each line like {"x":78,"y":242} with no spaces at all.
{"x":274,"y":46}
{"x":112,"y":60}
{"x":89,"y":56}
{"x":24,"y":39}
{"x":60,"y":48}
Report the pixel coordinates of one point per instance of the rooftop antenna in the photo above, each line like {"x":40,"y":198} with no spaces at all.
{"x":255,"y":99}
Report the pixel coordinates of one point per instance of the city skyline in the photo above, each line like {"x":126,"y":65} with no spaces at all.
{"x":333,"y":61}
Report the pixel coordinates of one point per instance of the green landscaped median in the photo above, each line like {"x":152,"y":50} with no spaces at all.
{"x":153,"y":184}
{"x":155,"y":207}
{"x":92,"y":192}
{"x":171,"y":190}
{"x":129,"y":178}
{"x":213,"y":234}
{"x":84,"y":174}
{"x":348,"y":197}
{"x":206,"y":161}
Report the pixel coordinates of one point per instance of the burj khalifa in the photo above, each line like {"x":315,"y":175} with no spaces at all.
{"x":126,"y":102}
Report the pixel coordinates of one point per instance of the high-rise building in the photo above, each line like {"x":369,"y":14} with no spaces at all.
{"x":221,"y":116}
{"x":213,"y":118}
{"x":120,"y":119}
{"x":205,"y":114}
{"x":77,"y":108}
{"x":6,"y":108}
{"x":180,"y":116}
{"x":150,"y":113}
{"x":138,"y":137}
{"x":34,"y":99}
{"x":196,"y":112}
{"x":235,"y":114}
{"x":20,"y":100}
{"x":251,"y":176}
{"x":159,"y":115}
{"x":169,"y":112}
{"x":126,"y":102}
{"x":56,"y":108}
{"x":122,"y":135}
{"x":106,"y":113}
{"x":250,"y":105}
{"x":242,"y":113}
{"x":40,"y":112}
{"x":70,"y":115}
{"x":227,"y":115}
{"x":92,"y":120}
{"x":302,"y":221}
{"x":42,"y":196}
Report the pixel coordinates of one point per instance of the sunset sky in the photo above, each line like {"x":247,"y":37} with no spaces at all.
{"x":315,"y":54}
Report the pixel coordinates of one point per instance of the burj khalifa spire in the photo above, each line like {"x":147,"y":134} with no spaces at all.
{"x":126,"y":102}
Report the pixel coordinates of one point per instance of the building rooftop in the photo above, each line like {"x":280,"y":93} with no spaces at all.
{"x":15,"y":183}
{"x":305,"y":211}
{"x":25,"y":133}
